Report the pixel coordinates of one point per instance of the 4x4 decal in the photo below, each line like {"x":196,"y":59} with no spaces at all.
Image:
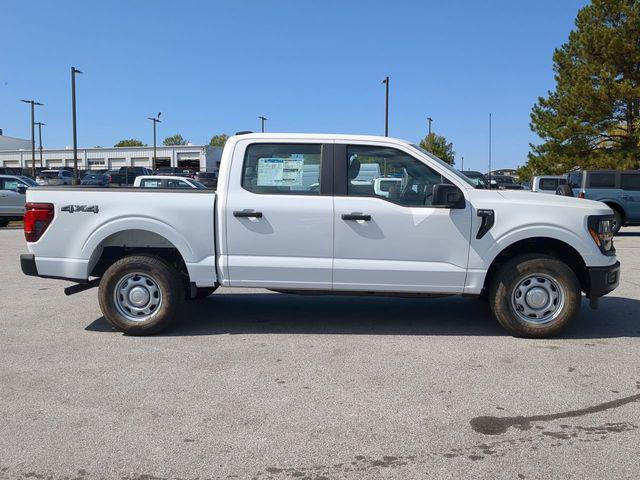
{"x":80,"y":208}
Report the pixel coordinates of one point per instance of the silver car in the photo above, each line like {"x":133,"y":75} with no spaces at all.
{"x":12,"y":197}
{"x":55,"y":177}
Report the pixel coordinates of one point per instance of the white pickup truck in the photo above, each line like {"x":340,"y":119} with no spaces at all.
{"x":293,"y":214}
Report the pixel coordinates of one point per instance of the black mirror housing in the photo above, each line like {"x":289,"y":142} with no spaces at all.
{"x":447,"y":195}
{"x":21,"y":189}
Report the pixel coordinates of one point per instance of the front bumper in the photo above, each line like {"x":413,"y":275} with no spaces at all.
{"x":603,"y":280}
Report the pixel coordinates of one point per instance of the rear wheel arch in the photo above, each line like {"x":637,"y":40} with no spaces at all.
{"x":129,"y":242}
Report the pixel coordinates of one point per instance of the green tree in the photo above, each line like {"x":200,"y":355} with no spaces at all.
{"x":174,"y":140}
{"x":219,"y":140}
{"x":132,"y":142}
{"x":437,"y":145}
{"x":591,"y":119}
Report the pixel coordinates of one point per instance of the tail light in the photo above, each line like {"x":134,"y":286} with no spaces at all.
{"x":581,"y":195}
{"x":37,"y":218}
{"x":109,"y":176}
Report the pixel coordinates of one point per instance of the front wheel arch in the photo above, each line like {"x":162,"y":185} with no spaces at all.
{"x":543,"y":246}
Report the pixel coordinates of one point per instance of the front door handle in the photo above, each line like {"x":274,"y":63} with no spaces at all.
{"x":247,"y":214}
{"x":356,"y":216}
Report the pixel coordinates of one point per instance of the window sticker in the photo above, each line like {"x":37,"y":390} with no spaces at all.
{"x":280,"y":172}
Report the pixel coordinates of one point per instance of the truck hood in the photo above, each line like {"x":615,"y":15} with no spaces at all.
{"x":533,"y":199}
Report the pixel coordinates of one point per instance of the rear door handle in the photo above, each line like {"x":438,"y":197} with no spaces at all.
{"x":247,"y":214}
{"x":356,"y":216}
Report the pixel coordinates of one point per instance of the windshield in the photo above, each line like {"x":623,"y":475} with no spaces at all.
{"x":478,"y":180}
{"x":445,"y":165}
{"x":28,"y":181}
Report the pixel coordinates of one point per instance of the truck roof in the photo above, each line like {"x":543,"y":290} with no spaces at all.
{"x":318,"y":136}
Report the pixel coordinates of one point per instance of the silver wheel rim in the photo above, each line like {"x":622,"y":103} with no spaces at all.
{"x":137,"y":297}
{"x":537,"y":299}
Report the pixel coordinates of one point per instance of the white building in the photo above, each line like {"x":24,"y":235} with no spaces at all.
{"x":195,"y":157}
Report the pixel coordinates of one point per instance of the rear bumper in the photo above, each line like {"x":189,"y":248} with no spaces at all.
{"x":28,"y":264}
{"x":603,"y":280}
{"x":61,"y":269}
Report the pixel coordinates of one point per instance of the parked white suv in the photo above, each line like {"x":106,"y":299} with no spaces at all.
{"x":12,"y":197}
{"x":270,"y":226}
{"x":54,"y":177}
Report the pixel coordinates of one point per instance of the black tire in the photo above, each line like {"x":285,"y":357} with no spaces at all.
{"x":564,"y":190}
{"x":3,"y":222}
{"x":510,"y":281}
{"x":166,"y":285}
{"x":203,"y":292}
{"x":617,"y":220}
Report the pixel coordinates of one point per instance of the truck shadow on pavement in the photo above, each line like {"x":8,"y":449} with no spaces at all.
{"x":268,"y":313}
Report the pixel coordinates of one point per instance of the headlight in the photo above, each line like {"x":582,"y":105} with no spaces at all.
{"x":601,"y":230}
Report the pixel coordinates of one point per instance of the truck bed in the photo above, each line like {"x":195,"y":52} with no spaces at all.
{"x":87,"y":220}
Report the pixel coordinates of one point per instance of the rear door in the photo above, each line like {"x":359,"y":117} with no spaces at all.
{"x":394,"y":240}
{"x":279,"y":215}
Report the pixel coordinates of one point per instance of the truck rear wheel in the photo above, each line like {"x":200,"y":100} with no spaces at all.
{"x":535,"y":296}
{"x":140,"y":294}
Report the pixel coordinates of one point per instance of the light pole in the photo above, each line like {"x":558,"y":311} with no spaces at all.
{"x":33,"y":135}
{"x":155,"y":121}
{"x":429,"y":120}
{"x":462,"y":168}
{"x":40,"y":125}
{"x":74,"y":70}
{"x":489,"y":150}
{"x":262,"y":120}
{"x":386,"y":107}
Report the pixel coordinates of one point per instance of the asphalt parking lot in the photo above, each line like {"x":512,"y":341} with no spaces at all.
{"x":258,"y":385}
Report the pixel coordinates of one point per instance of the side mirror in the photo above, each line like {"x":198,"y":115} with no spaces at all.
{"x":447,"y":196}
{"x":21,"y":189}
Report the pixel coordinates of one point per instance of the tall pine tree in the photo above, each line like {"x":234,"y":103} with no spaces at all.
{"x":592,"y":119}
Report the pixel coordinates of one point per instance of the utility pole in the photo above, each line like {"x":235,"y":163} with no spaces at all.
{"x":155,"y":121}
{"x":40,"y":125}
{"x":262,"y":120}
{"x":386,"y":107}
{"x":462,"y":168}
{"x":429,"y":120}
{"x":489,"y":150}
{"x":74,"y":70}
{"x":33,"y":104}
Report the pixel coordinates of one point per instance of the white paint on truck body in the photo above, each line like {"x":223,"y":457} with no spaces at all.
{"x":301,"y":241}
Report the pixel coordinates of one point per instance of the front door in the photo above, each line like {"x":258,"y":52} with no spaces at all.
{"x":11,"y":200}
{"x":279,"y":216}
{"x":392,"y":239}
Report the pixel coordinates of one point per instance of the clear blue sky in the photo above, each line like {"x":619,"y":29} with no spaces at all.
{"x":309,"y":66}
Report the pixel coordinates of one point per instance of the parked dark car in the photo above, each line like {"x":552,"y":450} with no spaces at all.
{"x":125,"y":176}
{"x":96,"y":179}
{"x":620,"y":189}
{"x":504,"y":182}
{"x":208,"y":179}
{"x":477,"y":178}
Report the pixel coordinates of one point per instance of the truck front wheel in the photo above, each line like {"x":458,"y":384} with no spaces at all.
{"x":140,"y":294}
{"x":534,"y":296}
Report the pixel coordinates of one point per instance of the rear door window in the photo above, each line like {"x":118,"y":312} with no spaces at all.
{"x":550,"y":184}
{"x":151,"y":183}
{"x":602,"y":180}
{"x":282,"y":168}
{"x":630,"y":181}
